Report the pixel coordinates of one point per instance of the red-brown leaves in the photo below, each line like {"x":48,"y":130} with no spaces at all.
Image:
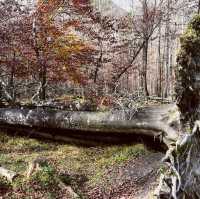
{"x":81,"y":2}
{"x":63,"y":51}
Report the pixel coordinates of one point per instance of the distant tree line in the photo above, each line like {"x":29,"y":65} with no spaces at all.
{"x":50,"y":49}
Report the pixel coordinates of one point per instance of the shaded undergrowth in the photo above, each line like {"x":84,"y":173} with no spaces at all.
{"x":74,"y":166}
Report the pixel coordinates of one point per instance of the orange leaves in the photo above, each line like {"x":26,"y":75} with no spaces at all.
{"x":48,"y":6}
{"x":64,"y":52}
{"x":82,"y":5}
{"x":71,"y":23}
{"x":68,"y":50}
{"x":81,"y":2}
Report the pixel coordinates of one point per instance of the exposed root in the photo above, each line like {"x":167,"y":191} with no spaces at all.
{"x":178,"y":158}
{"x":174,"y":185}
{"x":160,"y":186}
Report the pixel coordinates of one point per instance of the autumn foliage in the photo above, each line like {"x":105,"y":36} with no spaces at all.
{"x":42,"y":45}
{"x":62,"y":49}
{"x":54,"y":47}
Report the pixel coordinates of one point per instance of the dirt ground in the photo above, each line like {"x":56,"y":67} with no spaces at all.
{"x":136,"y":179}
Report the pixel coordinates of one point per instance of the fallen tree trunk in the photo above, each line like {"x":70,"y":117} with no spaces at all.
{"x":154,"y":121}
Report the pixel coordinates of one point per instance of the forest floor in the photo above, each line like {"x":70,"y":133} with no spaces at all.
{"x":71,"y":171}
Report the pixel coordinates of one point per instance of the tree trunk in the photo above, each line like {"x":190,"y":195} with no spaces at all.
{"x":167,"y":56}
{"x":159,"y":64}
{"x":12,"y":79}
{"x":145,"y":64}
{"x":99,"y":62}
{"x":40,"y":61}
{"x":43,"y":76}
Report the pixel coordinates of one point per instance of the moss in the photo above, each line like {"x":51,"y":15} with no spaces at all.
{"x":162,"y":170}
{"x":195,"y":23}
{"x":190,"y":40}
{"x":188,"y":65}
{"x":45,"y":177}
{"x":22,"y":144}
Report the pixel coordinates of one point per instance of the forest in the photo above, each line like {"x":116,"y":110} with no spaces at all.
{"x":100,"y":99}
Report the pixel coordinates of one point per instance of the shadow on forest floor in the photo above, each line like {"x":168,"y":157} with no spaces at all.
{"x":89,"y":170}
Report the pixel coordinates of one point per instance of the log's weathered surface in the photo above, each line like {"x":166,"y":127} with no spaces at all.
{"x":151,"y":121}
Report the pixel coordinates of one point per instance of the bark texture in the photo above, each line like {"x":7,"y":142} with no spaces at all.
{"x":150,"y":121}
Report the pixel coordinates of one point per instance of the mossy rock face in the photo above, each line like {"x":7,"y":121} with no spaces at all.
{"x":188,"y":72}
